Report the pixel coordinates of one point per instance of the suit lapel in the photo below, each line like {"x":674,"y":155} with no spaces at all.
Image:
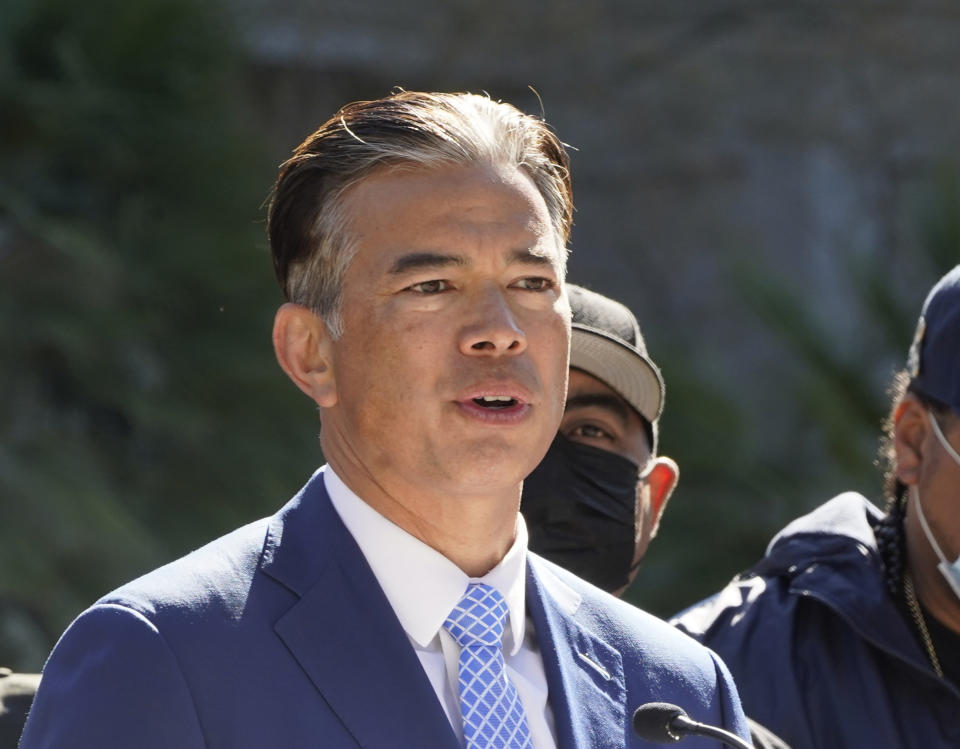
{"x":584,"y":674}
{"x":346,"y":636}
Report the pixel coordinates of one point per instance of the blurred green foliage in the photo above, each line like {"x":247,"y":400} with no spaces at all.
{"x":136,"y":295}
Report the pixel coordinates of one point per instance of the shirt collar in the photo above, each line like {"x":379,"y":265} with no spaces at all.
{"x":420,"y":583}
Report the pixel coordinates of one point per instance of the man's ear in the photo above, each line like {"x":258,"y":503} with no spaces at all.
{"x":910,"y":428}
{"x":662,"y":479}
{"x":303,"y":347}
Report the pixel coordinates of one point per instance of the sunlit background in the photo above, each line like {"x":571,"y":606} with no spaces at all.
{"x":771,"y":186}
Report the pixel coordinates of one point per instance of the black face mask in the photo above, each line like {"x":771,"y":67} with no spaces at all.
{"x":580,"y":508}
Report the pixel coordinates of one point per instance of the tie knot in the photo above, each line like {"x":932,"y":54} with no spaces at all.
{"x":478,"y":617}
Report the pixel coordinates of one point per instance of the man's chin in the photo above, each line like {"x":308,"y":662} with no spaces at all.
{"x":487,"y":466}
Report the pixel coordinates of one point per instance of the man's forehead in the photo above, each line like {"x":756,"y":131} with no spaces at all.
{"x":448,"y":203}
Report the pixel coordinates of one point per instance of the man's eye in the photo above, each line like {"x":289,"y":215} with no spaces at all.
{"x":535,"y":283}
{"x":592,"y":432}
{"x":430,"y":287}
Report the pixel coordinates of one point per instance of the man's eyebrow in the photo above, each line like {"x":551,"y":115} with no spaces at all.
{"x":609,"y":401}
{"x":422,"y":260}
{"x":529,"y":257}
{"x":414,"y":261}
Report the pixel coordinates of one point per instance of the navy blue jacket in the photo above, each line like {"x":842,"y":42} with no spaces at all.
{"x":278,"y":635}
{"x":818,"y":648}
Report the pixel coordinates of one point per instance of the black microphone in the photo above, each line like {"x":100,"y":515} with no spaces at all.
{"x":664,"y":723}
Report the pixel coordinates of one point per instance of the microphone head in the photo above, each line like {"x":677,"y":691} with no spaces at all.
{"x":652,"y":722}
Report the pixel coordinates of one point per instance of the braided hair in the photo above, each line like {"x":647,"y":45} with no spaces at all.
{"x":889,"y":531}
{"x":891,"y":541}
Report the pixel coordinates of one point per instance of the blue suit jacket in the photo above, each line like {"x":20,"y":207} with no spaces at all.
{"x":278,"y":635}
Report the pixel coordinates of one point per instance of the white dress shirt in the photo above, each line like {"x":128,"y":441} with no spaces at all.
{"x":423,"y":586}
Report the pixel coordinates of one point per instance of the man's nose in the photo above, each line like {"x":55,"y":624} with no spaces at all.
{"x":492,"y":328}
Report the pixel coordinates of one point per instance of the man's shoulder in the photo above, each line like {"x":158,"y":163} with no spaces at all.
{"x":843,"y":520}
{"x":635,"y":632}
{"x":747,"y":598}
{"x":830,"y":551}
{"x":220,"y":574}
{"x":217,"y":573}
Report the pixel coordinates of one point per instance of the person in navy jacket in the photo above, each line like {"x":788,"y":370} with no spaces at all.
{"x":847,"y":632}
{"x":420,"y":240}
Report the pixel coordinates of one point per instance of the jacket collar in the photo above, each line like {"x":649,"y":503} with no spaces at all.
{"x":584,"y":673}
{"x":343,"y":632}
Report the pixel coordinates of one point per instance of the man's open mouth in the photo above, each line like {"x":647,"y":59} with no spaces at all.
{"x":495,"y":402}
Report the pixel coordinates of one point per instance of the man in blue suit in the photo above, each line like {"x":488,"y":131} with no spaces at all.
{"x":420,"y":241}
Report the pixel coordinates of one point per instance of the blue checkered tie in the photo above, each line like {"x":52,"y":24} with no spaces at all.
{"x":492,"y":713}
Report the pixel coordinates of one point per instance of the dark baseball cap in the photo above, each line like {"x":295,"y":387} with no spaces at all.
{"x":606,"y":343}
{"x":934,"y":360}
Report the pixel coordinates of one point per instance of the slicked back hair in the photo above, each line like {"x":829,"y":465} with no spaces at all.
{"x":309,"y":237}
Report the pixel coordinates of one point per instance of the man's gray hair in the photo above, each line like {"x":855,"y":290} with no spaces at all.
{"x":309,"y":237}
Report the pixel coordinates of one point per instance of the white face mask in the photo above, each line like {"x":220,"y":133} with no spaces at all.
{"x":951,"y":572}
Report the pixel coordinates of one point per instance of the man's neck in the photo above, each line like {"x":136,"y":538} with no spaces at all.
{"x":474,"y":531}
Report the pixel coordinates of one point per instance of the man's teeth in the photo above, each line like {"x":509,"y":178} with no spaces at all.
{"x":494,"y":401}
